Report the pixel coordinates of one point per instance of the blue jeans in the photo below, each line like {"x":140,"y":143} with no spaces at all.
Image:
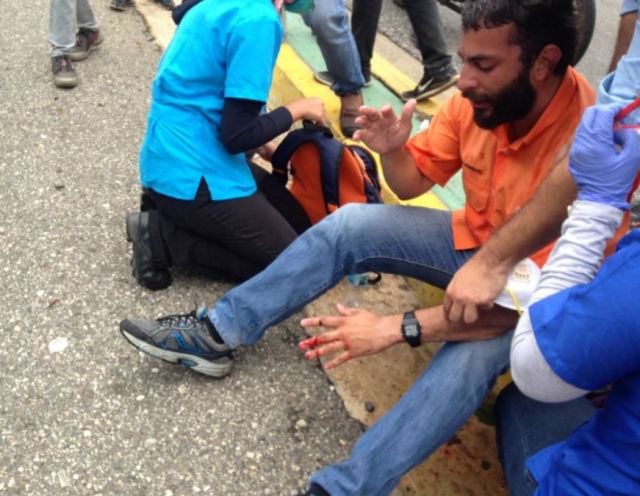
{"x":410,"y":241}
{"x":415,"y":242}
{"x":330,"y":24}
{"x":525,"y":426}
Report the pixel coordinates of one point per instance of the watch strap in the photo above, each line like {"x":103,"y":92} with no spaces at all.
{"x":411,"y":329}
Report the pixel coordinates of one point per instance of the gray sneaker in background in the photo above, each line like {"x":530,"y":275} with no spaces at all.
{"x":86,"y":40}
{"x":121,"y":5}
{"x":326,"y":78}
{"x":64,"y":74}
{"x":166,"y":4}
{"x":431,"y":85}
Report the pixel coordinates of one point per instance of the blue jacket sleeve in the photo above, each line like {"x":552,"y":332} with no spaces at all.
{"x":590,"y":334}
{"x":629,"y":6}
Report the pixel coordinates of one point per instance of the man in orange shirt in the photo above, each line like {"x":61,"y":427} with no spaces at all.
{"x":509,"y":131}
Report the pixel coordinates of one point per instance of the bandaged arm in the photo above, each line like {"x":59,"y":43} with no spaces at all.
{"x":576,"y":259}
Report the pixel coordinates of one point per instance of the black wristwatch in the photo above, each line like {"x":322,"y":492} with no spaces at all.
{"x":411,"y":329}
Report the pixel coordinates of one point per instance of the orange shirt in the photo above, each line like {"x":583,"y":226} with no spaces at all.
{"x":498,"y":177}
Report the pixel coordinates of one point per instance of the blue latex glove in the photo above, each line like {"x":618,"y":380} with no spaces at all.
{"x":604,"y":163}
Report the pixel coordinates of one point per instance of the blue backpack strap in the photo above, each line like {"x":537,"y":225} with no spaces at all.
{"x":372,"y":187}
{"x":330,"y":152}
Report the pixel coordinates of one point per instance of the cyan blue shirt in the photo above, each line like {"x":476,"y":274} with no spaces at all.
{"x":629,"y":6}
{"x":590,"y":336}
{"x":221,"y":49}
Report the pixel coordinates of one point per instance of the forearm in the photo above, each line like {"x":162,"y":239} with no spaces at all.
{"x":435,"y":326}
{"x":626,"y":29}
{"x":402,"y":175}
{"x":536,"y":225}
{"x":243,"y":129}
{"x":575,"y":259}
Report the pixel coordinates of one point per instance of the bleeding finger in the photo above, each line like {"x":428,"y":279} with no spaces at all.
{"x":324,"y":321}
{"x":326,"y":349}
{"x":312,"y":342}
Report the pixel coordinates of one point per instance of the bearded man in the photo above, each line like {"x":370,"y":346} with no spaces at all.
{"x":509,"y":131}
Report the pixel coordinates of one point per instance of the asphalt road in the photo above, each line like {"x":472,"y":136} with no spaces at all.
{"x":96,"y":417}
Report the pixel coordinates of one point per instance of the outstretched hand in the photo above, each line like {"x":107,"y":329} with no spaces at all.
{"x":382,"y":130}
{"x":356,"y":332}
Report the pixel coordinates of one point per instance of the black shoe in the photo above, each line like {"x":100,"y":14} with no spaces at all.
{"x":144,"y":270}
{"x":64,"y":74}
{"x":186,"y":340}
{"x":166,"y":4}
{"x":121,"y":4}
{"x":431,"y":85}
{"x":326,"y":78}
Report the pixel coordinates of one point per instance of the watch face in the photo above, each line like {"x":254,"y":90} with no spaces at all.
{"x":411,"y":330}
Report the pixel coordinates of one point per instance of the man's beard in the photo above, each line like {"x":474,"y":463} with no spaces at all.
{"x":512,"y":103}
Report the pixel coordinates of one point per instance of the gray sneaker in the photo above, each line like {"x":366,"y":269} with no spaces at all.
{"x":431,"y":85}
{"x":186,"y":340}
{"x":120,"y":5}
{"x":326,"y":78}
{"x":86,"y":40}
{"x":64,"y":74}
{"x":166,"y":4}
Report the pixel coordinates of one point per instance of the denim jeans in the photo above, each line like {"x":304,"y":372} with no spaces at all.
{"x":330,"y":24}
{"x":65,"y":18}
{"x":525,"y":426}
{"x":410,"y":241}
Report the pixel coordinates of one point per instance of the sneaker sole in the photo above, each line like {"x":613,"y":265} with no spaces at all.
{"x":220,"y":368}
{"x":433,"y":92}
{"x":319,"y":77}
{"x":65,"y":83}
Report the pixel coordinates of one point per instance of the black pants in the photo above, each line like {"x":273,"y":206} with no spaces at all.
{"x":425,"y":20}
{"x":234,"y":239}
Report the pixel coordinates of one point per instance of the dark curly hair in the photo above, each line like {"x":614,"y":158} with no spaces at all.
{"x":537,"y":23}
